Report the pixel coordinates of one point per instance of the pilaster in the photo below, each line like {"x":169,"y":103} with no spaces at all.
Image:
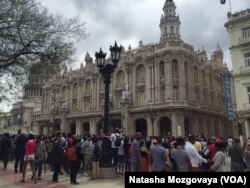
{"x":63,"y":125}
{"x":168,"y":80}
{"x":175,"y":124}
{"x":246,"y":129}
{"x":182,"y":80}
{"x":125,"y":118}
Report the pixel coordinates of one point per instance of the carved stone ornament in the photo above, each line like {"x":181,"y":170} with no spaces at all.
{"x":65,"y":105}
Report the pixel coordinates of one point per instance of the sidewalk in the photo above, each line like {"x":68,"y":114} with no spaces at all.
{"x":9,"y":179}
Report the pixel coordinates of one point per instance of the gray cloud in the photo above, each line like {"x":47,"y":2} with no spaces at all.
{"x":128,"y":21}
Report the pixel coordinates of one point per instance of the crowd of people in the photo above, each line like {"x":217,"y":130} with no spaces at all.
{"x":62,"y":153}
{"x":191,"y":154}
{"x":73,"y":155}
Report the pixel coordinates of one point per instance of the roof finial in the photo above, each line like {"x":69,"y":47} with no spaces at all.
{"x":218,"y":46}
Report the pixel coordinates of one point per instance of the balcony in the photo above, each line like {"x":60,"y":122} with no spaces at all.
{"x":175,"y":81}
{"x":246,"y":106}
{"x":244,"y":40}
{"x":162,"y":82}
{"x":245,"y":69}
{"x":197,"y":83}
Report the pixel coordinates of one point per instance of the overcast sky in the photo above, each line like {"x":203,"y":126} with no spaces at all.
{"x":129,"y":21}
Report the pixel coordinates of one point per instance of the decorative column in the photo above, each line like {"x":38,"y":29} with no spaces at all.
{"x":182,"y":80}
{"x":64,"y":110}
{"x":246,"y":128}
{"x":180,"y":125}
{"x":78,"y":127}
{"x":125,"y":118}
{"x":175,"y":124}
{"x":149,"y":83}
{"x":168,"y":80}
{"x":46,"y":131}
{"x":154,"y":85}
{"x":63,"y":126}
{"x":95,"y":94}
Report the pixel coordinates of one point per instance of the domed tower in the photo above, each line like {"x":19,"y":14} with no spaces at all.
{"x":170,"y":23}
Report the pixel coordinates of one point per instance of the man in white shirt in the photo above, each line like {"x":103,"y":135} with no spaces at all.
{"x":114,"y":149}
{"x":194,"y":156}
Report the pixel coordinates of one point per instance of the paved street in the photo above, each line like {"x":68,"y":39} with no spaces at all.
{"x":228,"y":164}
{"x":9,"y":179}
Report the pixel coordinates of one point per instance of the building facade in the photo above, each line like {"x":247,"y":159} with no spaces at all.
{"x":4,"y":122}
{"x":160,"y":88}
{"x":238,"y":27}
{"x":24,"y":114}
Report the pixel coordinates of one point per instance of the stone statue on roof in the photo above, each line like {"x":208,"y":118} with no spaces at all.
{"x":126,"y":94}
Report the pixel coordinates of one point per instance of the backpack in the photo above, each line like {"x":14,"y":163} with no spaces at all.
{"x":206,"y":153}
{"x":71,"y":154}
{"x":118,"y":141}
{"x":40,"y":152}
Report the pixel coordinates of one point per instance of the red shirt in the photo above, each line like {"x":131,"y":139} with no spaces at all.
{"x":30,"y":147}
{"x":212,"y":151}
{"x":70,"y":141}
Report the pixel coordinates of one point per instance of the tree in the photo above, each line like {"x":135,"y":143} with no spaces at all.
{"x":28,"y":35}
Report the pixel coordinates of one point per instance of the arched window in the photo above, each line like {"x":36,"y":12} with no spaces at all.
{"x":64,"y":92}
{"x":120,"y":78}
{"x":175,"y":68}
{"x":140,"y":73}
{"x":171,"y":29}
{"x":197,"y":94}
{"x":247,"y":59}
{"x":162,"y":70}
{"x":186,"y":70}
{"x":88,"y":86}
{"x":101,"y":84}
{"x":210,"y":80}
{"x":204,"y":96}
{"x":75,"y":91}
{"x":196,"y":75}
{"x":203,"y":77}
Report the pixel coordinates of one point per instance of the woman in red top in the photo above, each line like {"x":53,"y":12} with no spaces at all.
{"x":29,"y":157}
{"x":145,"y":159}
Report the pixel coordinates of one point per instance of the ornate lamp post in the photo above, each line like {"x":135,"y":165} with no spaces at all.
{"x":106,"y":70}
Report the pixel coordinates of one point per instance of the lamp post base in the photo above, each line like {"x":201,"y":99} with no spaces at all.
{"x":107,"y":172}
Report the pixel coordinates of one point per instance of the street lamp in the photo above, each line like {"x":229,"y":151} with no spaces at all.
{"x":106,"y":69}
{"x":153,"y":115}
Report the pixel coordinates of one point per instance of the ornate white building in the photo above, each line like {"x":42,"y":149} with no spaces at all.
{"x":156,"y":89}
{"x":238,"y":27}
{"x":24,"y":114}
